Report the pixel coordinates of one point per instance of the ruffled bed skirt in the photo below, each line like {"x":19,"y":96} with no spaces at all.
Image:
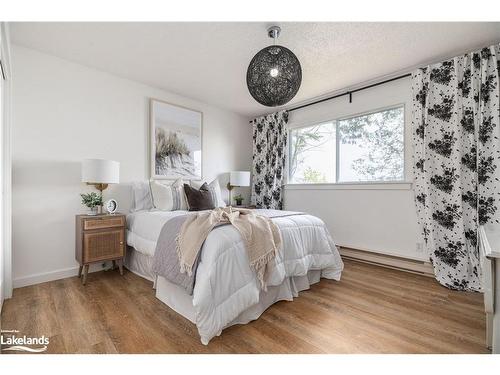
{"x":140,"y":264}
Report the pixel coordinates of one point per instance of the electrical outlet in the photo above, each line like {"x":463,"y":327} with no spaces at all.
{"x":420,"y":247}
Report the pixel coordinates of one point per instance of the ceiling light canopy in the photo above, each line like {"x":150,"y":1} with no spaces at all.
{"x":274,"y":74}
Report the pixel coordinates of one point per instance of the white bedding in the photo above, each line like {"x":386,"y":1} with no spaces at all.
{"x":144,"y":228}
{"x":225,"y":285}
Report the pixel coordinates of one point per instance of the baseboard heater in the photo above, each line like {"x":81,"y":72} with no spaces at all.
{"x":389,"y":261}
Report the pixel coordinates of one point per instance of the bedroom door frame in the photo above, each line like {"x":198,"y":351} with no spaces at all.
{"x":6,"y":164}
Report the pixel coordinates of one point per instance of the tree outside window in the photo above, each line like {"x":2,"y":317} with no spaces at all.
{"x":371,"y":148}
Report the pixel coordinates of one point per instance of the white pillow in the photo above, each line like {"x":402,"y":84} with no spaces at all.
{"x":169,"y":197}
{"x":142,"y":199}
{"x":214,"y":188}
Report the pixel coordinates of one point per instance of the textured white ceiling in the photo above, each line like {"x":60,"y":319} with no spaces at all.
{"x":208,"y":61}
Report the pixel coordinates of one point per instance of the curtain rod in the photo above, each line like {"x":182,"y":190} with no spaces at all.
{"x":350,"y":92}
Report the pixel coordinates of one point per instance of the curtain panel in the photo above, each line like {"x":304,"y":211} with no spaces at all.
{"x":456,"y":135}
{"x":269,"y":156}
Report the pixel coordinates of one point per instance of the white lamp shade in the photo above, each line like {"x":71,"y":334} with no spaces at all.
{"x":239,"y":178}
{"x":100,"y":171}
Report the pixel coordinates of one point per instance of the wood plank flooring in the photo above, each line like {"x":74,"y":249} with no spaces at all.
{"x":371,"y":310}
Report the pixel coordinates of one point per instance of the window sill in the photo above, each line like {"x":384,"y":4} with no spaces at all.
{"x":386,"y":185}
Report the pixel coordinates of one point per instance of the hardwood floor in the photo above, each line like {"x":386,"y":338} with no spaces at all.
{"x":371,"y":310}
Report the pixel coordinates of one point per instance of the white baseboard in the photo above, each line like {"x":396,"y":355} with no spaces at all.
{"x":389,"y":261}
{"x":421,"y":258}
{"x":44,"y":277}
{"x":52,"y":275}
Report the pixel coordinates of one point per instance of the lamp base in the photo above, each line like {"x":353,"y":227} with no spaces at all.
{"x":98,"y":186}
{"x":229,"y":188}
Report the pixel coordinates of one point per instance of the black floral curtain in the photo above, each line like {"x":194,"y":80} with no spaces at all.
{"x":455,"y":120}
{"x":269,"y":153}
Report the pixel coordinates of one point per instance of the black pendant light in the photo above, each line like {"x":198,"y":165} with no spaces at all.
{"x":274,"y":74}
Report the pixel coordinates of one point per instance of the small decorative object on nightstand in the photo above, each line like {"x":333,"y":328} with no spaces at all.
{"x":111,"y":206}
{"x":93,"y":201}
{"x":98,"y":239}
{"x":238,"y":199}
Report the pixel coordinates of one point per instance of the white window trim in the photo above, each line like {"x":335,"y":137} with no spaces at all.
{"x":350,"y":185}
{"x":372,"y":185}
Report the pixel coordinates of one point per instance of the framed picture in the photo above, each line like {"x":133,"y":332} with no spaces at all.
{"x":175,"y":142}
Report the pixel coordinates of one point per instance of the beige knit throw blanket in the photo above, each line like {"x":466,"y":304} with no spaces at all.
{"x":261,"y":236}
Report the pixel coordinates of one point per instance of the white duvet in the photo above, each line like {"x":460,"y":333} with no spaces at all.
{"x":225,"y":285}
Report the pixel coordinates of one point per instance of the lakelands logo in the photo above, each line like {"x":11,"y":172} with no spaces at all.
{"x":10,"y":342}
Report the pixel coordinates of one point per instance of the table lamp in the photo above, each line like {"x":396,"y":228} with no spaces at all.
{"x":237,"y":178}
{"x":100,"y":173}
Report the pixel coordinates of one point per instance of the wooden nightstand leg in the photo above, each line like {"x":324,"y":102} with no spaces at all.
{"x":120,"y":265}
{"x":85,"y":272}
{"x":114,"y":264}
{"x":80,"y":271}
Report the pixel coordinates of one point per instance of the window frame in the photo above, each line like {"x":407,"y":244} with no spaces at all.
{"x":404,"y":183}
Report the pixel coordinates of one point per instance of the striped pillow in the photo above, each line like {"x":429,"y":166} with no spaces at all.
{"x":169,"y":197}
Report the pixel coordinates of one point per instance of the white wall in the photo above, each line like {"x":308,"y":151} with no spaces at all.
{"x":65,"y":112}
{"x":380,"y":218}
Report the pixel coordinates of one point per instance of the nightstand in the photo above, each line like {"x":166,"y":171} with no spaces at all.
{"x":248,"y":206}
{"x":99,"y":238}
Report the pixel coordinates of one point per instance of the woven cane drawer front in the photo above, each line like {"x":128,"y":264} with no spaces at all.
{"x":107,"y":222}
{"x":103,"y":245}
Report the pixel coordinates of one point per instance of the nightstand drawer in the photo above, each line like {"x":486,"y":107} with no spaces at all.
{"x":102,"y":245}
{"x":107,"y":222}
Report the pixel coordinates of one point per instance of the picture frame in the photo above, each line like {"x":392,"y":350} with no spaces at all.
{"x":175,"y":142}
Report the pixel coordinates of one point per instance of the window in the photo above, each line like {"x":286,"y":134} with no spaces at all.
{"x":312,"y":154}
{"x":363,"y":148}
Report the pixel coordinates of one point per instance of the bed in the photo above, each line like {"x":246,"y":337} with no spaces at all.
{"x":226,"y":290}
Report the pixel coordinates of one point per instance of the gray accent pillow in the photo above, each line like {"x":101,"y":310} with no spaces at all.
{"x":214,"y":188}
{"x":199,"y":200}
